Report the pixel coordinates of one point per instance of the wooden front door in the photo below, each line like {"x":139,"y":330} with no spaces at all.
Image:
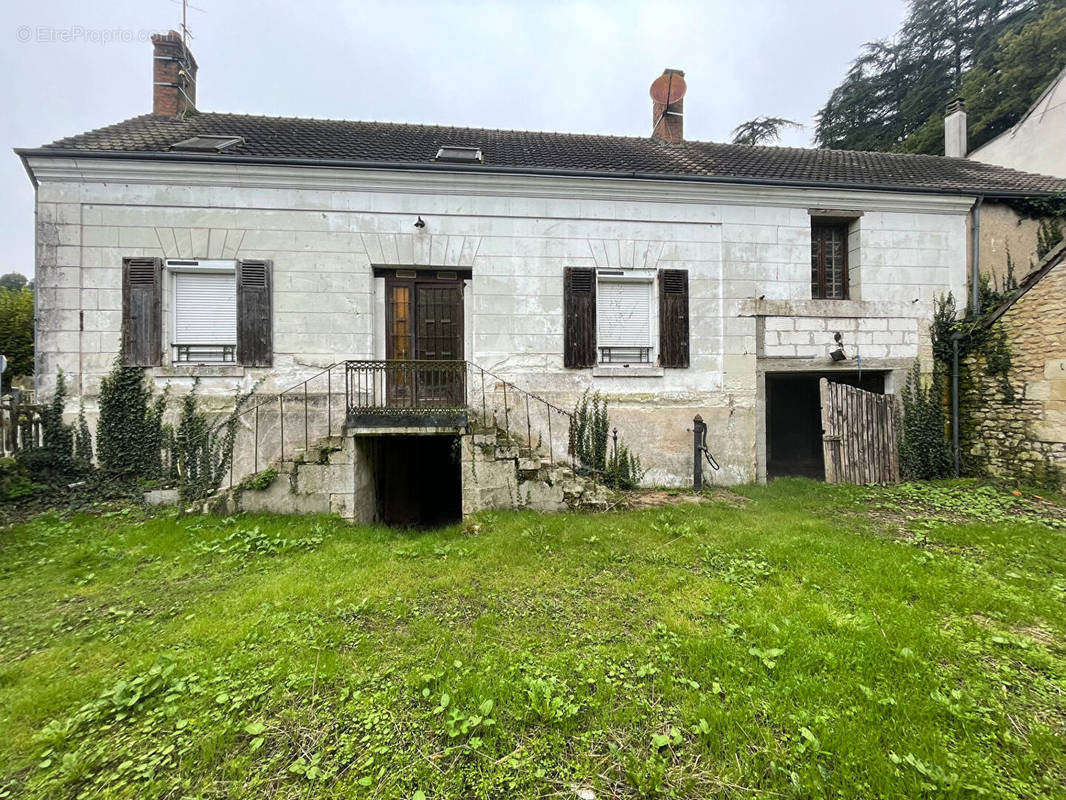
{"x":858,"y":435}
{"x":424,"y":322}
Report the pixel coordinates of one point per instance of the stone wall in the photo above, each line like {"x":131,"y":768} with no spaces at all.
{"x":1021,"y":439}
{"x":326,"y":229}
{"x":1006,"y":233}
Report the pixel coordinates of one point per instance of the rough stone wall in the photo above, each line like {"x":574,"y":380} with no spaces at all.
{"x":1006,"y":232}
{"x":1021,"y":440}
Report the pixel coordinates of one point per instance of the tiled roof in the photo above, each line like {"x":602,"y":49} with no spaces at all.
{"x":359,"y":143}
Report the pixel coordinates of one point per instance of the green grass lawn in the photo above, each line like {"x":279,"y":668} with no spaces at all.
{"x":793,"y":640}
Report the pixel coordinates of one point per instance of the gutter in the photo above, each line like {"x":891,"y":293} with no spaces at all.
{"x":955,"y":400}
{"x":424,"y":166}
{"x":975,"y":300}
{"x":23,"y":157}
{"x":975,"y":255}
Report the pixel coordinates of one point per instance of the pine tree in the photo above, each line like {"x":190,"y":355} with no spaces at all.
{"x":997,"y":54}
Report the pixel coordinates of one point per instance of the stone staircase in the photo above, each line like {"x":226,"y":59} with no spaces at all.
{"x":499,"y":472}
{"x":336,"y":476}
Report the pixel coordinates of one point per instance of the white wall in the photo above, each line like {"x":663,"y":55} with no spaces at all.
{"x":326,"y":229}
{"x":1038,"y":142}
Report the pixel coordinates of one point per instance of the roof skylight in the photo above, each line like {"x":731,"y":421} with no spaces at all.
{"x":207,"y":144}
{"x":461,"y":155}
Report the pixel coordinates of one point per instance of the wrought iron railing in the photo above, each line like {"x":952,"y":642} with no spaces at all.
{"x":21,"y":423}
{"x":403,"y":387}
{"x":323,"y":405}
{"x":625,"y":355}
{"x":205,"y":353}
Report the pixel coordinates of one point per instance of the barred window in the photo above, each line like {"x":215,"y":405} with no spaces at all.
{"x":829,"y":261}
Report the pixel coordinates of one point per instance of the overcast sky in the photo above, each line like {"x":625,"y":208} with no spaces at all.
{"x":582,"y":67}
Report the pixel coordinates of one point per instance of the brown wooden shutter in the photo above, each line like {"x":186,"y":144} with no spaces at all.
{"x":579,"y":312}
{"x":142,"y":311}
{"x":255,"y":335}
{"x":673,"y":318}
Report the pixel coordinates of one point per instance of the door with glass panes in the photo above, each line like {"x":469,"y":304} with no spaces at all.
{"x":424,"y":324}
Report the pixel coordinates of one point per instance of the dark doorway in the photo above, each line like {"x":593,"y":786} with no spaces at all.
{"x":794,"y":420}
{"x":419,"y":481}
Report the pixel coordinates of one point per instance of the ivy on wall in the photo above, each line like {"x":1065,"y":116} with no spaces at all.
{"x":130,"y":430}
{"x":924,"y":453}
{"x":203,"y":449}
{"x":597,"y":450}
{"x":992,"y":427}
{"x":134,"y":444}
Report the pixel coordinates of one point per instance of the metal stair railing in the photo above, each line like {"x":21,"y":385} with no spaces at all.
{"x":300,"y":393}
{"x":520,"y":408}
{"x":402,"y":387}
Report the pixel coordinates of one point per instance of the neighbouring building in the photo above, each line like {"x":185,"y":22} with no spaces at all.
{"x":1013,"y":397}
{"x":1037,"y":141}
{"x":501,"y":273}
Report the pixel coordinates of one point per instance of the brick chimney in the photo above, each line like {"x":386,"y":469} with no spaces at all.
{"x":667,"y":119}
{"x":955,"y":129}
{"x":173,"y":76}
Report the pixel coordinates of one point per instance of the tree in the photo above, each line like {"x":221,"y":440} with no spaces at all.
{"x":13,"y":281}
{"x":894,"y":95}
{"x":16,"y":332}
{"x":1003,"y":84}
{"x":762,"y":130}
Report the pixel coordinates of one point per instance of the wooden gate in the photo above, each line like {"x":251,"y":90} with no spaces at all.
{"x":858,"y":435}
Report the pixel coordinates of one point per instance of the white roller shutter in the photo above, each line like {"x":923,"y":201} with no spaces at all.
{"x":205,"y":308}
{"x":623,"y":311}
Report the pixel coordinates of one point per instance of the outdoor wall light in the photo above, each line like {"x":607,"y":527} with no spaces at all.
{"x":838,"y":354}
{"x":420,"y":223}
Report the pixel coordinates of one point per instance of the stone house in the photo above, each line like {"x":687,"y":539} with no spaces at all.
{"x":1013,"y":397}
{"x":675,"y":277}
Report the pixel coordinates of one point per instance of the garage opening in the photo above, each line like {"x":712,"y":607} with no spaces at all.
{"x":794,"y":420}
{"x":419,"y":482}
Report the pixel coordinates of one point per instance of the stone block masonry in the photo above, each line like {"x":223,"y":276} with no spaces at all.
{"x":1021,"y":439}
{"x":326,"y":233}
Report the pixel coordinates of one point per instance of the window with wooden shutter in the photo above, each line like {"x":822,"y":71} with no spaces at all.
{"x":142,"y":311}
{"x":829,"y":261}
{"x":205,"y":317}
{"x":579,"y":317}
{"x":255,"y":338}
{"x":673,"y":318}
{"x":623,"y":319}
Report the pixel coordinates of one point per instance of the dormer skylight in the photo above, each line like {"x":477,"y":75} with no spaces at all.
{"x":207,"y":144}
{"x":460,"y":155}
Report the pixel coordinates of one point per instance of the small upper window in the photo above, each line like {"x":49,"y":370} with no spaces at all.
{"x":829,"y":261}
{"x":463,"y":155}
{"x":208,"y":144}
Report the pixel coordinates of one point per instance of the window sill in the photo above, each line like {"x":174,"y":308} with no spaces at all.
{"x":627,"y":371}
{"x":199,"y":371}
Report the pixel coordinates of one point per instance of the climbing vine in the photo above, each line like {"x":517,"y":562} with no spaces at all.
{"x":83,"y":441}
{"x":924,"y":453}
{"x":129,"y":434}
{"x":134,"y":444}
{"x":1038,"y":207}
{"x":202,"y":448}
{"x":1048,"y":235}
{"x":608,"y":457}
